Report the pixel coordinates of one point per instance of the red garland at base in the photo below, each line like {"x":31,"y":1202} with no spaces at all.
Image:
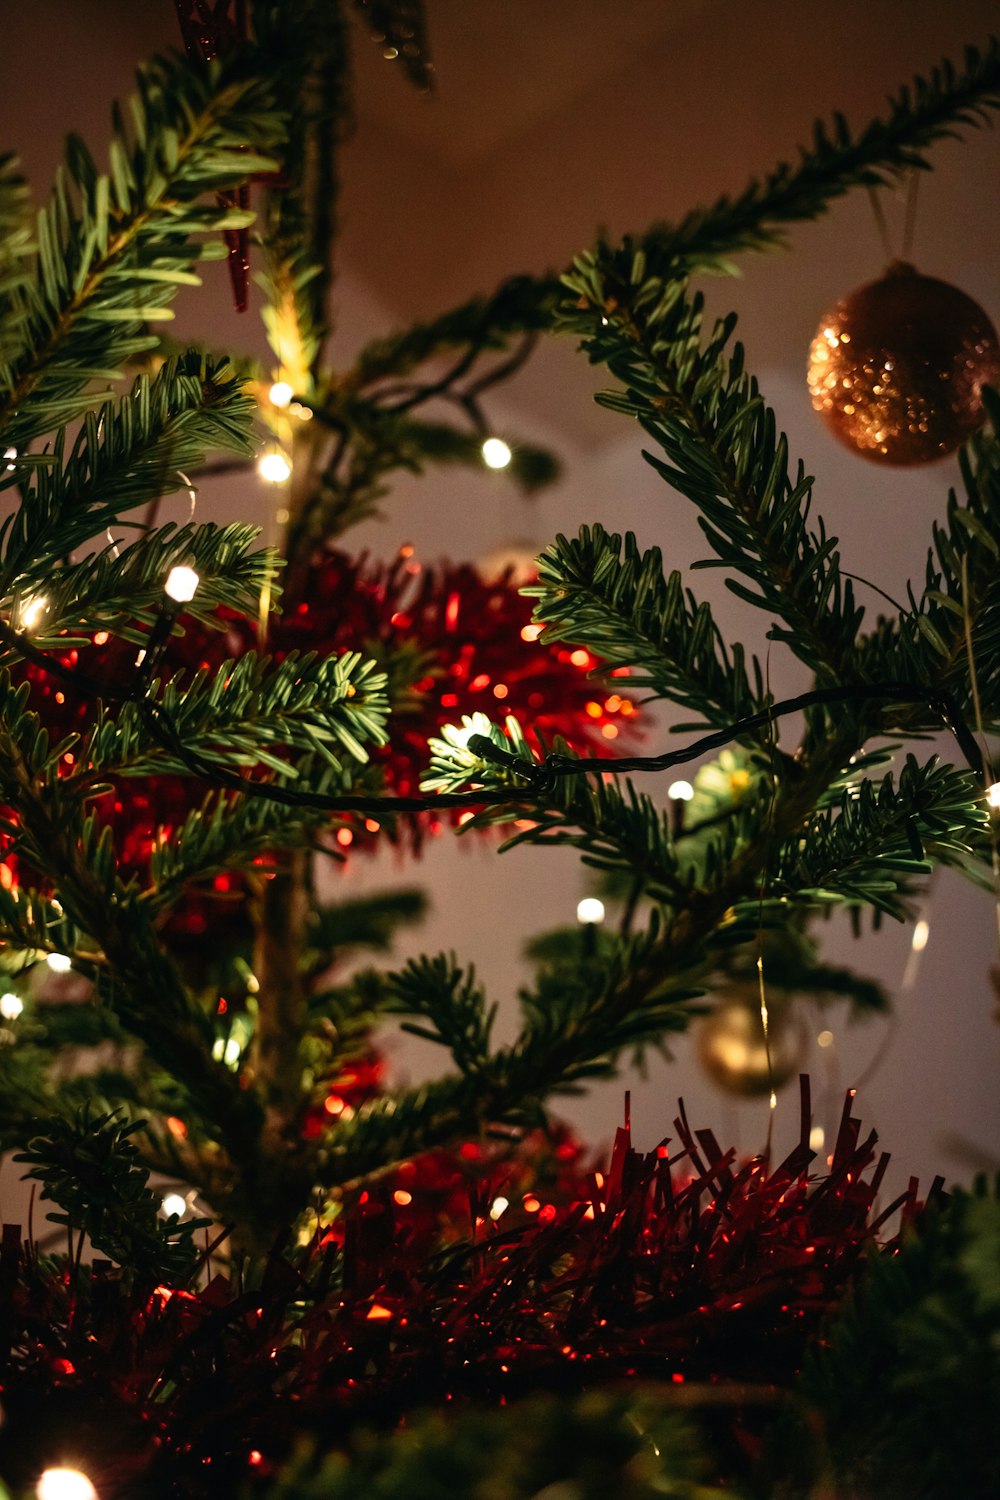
{"x":681,"y":1267}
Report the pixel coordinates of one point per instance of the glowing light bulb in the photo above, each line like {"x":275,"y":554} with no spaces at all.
{"x":459,"y":735}
{"x":817,"y":1138}
{"x":590,"y":910}
{"x":921,"y":933}
{"x":680,"y":791}
{"x":59,"y":963}
{"x":496,"y":454}
{"x":825,"y":1039}
{"x":280,"y":394}
{"x":32,"y":611}
{"x":11,"y":1006}
{"x":64,"y":1484}
{"x":182,"y":584}
{"x":228,"y":1051}
{"x":499,"y":1206}
{"x":273,"y":467}
{"x":174,"y":1203}
{"x":9,"y":454}
{"x":993,"y":794}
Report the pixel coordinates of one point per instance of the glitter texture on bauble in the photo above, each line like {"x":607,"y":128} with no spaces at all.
{"x":897,"y":367}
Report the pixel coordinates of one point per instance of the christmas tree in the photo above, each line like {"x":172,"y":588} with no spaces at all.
{"x":353,"y":1286}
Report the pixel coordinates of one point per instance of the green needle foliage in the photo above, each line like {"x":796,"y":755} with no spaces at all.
{"x":127,"y":453}
{"x":90,"y":1167}
{"x":111,"y":249}
{"x":596,"y":588}
{"x":595,"y":1445}
{"x":903,"y":1389}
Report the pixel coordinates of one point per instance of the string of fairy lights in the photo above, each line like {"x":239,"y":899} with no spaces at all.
{"x":537,"y":778}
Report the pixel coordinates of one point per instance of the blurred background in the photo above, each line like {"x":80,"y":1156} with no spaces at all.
{"x":551,"y":121}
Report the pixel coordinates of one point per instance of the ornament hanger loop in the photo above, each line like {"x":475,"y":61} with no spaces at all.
{"x":192,"y":493}
{"x":909,"y":219}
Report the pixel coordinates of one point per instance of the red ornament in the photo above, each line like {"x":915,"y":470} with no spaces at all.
{"x":897,"y":368}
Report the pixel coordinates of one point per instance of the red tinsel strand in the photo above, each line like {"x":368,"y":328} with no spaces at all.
{"x":473,"y":638}
{"x":210,"y":30}
{"x":696,"y":1268}
{"x":211,"y":27}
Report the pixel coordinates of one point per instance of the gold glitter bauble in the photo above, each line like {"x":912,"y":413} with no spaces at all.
{"x":897,"y":367}
{"x":731,"y":1048}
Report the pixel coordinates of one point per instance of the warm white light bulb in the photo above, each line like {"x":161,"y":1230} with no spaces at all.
{"x":817,"y":1138}
{"x":280,"y":394}
{"x":590,"y":910}
{"x":227,"y":1050}
{"x":32,"y":611}
{"x":173,"y":1203}
{"x":64,"y":1484}
{"x":498,"y":1207}
{"x":459,"y":735}
{"x":993,"y":794}
{"x":273,"y":467}
{"x":921,"y":933}
{"x":825,"y":1039}
{"x":10,"y":454}
{"x":11,"y":1006}
{"x":680,"y":791}
{"x":59,"y":963}
{"x":496,"y":454}
{"x":182,"y":584}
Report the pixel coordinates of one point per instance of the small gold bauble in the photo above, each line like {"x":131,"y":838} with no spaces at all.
{"x":731,"y":1048}
{"x":897,"y":368}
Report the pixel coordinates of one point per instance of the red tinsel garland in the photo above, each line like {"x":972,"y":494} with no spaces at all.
{"x":475,"y":639}
{"x":677,"y":1268}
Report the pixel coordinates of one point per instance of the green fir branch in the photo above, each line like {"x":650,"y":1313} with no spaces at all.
{"x":897,"y":1397}
{"x":520,"y":305}
{"x":883,"y":834}
{"x":725,"y":453}
{"x":958,"y":610}
{"x":229,"y":832}
{"x":596,"y":589}
{"x":128,"y":453}
{"x":578,"y":1021}
{"x":371,"y":922}
{"x":15,"y":248}
{"x":113,"y":249}
{"x":247,"y":713}
{"x":89,"y":1169}
{"x":121,"y":589}
{"x":927,"y":110}
{"x":452,"y":1008}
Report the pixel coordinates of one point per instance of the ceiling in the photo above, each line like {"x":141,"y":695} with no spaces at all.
{"x":503,"y":69}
